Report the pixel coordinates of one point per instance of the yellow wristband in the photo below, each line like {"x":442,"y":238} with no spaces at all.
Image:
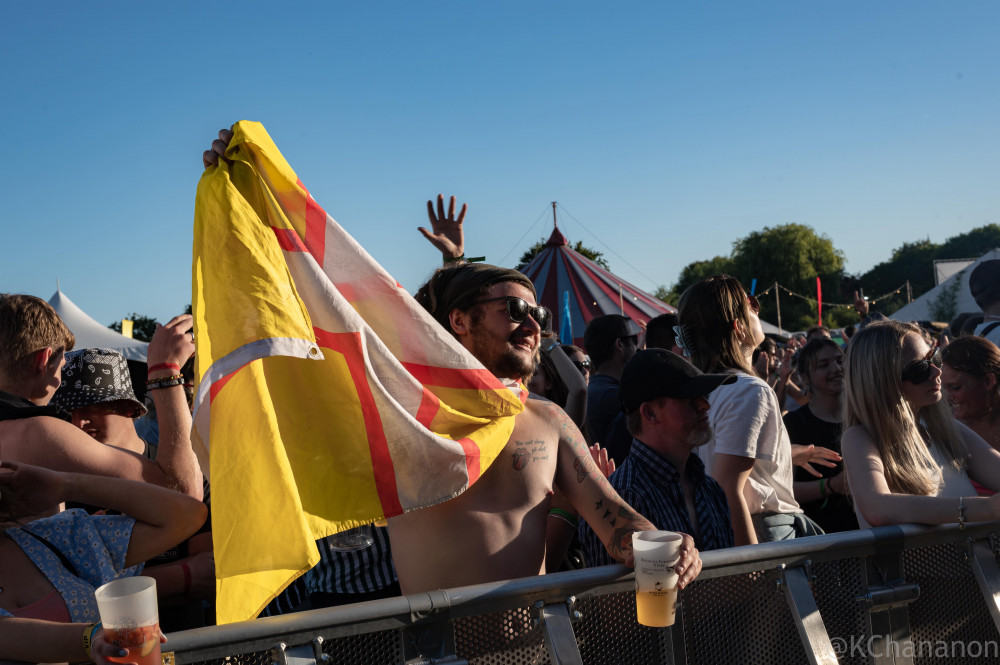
{"x":88,"y":637}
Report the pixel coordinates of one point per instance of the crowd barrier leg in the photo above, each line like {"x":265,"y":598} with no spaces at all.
{"x":983,"y":559}
{"x":557,"y":627}
{"x":429,"y":643}
{"x":795,"y":581}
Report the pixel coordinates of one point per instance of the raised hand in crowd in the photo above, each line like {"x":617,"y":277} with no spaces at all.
{"x":210,"y":158}
{"x":806,"y":456}
{"x":446,"y":232}
{"x":861,"y":306}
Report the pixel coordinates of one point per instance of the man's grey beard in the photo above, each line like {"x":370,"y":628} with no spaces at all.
{"x":699,"y":437}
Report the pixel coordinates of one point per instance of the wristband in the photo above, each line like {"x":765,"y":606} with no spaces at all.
{"x":565,"y":516}
{"x":456,"y":259}
{"x":174,"y":366}
{"x":88,"y":636}
{"x":822,"y":492}
{"x":187,"y":578}
{"x":165,"y":382}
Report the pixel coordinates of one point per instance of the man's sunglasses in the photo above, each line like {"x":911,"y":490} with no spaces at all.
{"x":518,"y":309}
{"x":920,"y":370}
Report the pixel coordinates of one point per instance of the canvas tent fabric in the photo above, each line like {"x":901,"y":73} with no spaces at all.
{"x":91,"y":334}
{"x":956,"y":286}
{"x":594,"y":291}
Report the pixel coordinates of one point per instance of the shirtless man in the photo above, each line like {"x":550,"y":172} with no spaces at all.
{"x":33,"y":341}
{"x":496,"y":529}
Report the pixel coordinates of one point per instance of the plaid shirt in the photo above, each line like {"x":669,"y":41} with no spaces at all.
{"x":651,"y":485}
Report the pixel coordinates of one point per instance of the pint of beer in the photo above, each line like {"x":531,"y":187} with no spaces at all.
{"x":131,"y":621}
{"x":656,"y":554}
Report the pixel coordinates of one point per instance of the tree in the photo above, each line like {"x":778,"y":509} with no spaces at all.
{"x":790,"y":254}
{"x":143,"y":327}
{"x":536,"y":249}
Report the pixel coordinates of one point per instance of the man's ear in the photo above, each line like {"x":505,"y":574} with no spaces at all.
{"x":461,"y":322}
{"x":647,"y":412}
{"x":40,"y":359}
{"x":991,"y":382}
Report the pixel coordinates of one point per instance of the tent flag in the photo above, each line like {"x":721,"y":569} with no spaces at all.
{"x":753,"y":286}
{"x":327,"y":397}
{"x":566,"y":327}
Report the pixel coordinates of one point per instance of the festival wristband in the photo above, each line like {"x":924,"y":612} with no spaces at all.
{"x":565,"y":516}
{"x":88,"y":636}
{"x":165,"y":382}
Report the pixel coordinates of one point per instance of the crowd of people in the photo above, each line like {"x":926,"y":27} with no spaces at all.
{"x":695,"y":423}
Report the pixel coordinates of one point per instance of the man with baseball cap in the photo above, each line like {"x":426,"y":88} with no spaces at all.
{"x":664,"y":400}
{"x":984,"y":283}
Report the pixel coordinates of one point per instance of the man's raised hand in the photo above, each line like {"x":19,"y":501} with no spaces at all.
{"x":211,"y":157}
{"x":446,"y":230}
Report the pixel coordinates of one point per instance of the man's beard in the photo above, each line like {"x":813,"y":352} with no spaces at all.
{"x":699,"y":437}
{"x":505,"y":363}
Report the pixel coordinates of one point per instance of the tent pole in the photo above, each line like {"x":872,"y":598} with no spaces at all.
{"x":621,"y":299}
{"x":555,"y":222}
{"x":777,"y":303}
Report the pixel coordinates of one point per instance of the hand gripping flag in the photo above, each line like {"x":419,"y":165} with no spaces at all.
{"x":327,"y":397}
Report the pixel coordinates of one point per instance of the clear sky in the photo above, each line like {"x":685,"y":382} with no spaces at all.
{"x":665,"y":129}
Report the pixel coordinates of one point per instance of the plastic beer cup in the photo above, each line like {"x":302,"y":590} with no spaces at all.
{"x":656,"y":554}
{"x":130,"y":618}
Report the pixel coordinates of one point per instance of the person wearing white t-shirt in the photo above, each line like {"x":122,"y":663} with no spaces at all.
{"x":750,"y":455}
{"x":984,"y":284}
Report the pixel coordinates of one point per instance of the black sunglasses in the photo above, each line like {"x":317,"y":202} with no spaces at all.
{"x":920,"y":370}
{"x":582,"y":365}
{"x":518,"y":309}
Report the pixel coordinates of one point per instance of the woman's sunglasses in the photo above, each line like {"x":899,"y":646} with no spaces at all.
{"x":920,"y":370}
{"x":583,"y":365}
{"x":754,"y":304}
{"x":518,"y":309}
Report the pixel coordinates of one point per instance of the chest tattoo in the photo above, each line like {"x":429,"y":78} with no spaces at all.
{"x":529,"y":451}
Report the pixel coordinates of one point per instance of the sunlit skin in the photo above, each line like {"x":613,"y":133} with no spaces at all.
{"x":928,"y":392}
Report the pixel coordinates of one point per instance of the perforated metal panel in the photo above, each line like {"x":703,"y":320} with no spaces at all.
{"x":950,"y":615}
{"x":609,"y":633}
{"x":504,"y":638}
{"x":382,"y":648}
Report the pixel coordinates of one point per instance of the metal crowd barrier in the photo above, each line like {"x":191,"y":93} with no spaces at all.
{"x":902,"y":595}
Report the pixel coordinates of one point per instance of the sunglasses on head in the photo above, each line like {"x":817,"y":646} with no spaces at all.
{"x":518,"y":309}
{"x":753,"y":303}
{"x":920,"y":370}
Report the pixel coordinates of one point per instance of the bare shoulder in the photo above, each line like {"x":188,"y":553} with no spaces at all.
{"x":552,"y":417}
{"x":52,"y":443}
{"x":857,"y":439}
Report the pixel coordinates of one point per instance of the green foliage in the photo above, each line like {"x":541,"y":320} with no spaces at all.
{"x":667,"y":295}
{"x":143,"y":327}
{"x":944,"y":306}
{"x":536,"y":249}
{"x":790,"y":254}
{"x":914,"y":261}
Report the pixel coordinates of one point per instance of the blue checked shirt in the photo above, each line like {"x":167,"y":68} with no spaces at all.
{"x":651,"y":485}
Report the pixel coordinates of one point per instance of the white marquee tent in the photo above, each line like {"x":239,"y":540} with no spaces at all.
{"x":956,"y":286}
{"x":91,"y":334}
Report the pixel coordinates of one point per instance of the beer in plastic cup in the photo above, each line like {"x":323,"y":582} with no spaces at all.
{"x":656,"y":554}
{"x":130,"y":618}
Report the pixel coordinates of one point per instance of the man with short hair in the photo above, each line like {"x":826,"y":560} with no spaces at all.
{"x":818,"y":332}
{"x":33,"y":342}
{"x":664,"y":397}
{"x":660,"y":333}
{"x":496,"y":529}
{"x":610,"y":341}
{"x":984,"y":283}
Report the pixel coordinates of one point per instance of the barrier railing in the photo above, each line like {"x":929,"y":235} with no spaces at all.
{"x":901,"y":595}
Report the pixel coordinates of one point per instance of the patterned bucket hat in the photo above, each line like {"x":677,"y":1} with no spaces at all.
{"x":95,"y":376}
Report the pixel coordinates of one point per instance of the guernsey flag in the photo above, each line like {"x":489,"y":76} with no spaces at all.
{"x":327,"y":397}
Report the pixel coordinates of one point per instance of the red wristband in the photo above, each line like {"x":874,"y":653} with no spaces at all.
{"x":187,"y":578}
{"x":173,"y":366}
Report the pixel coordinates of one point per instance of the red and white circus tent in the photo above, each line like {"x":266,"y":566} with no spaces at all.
{"x":593,"y":291}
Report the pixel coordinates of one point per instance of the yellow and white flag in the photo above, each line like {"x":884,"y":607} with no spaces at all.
{"x":327,"y":397}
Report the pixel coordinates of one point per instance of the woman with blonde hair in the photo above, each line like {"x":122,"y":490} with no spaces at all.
{"x":906,"y":457}
{"x":749,"y":455}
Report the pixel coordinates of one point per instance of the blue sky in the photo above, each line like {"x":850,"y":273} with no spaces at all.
{"x":666,"y":130}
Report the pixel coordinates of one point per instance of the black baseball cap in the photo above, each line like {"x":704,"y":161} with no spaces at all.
{"x":602,"y":331}
{"x":654,"y":373}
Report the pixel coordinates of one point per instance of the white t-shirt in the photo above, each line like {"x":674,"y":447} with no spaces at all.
{"x":954,"y":482}
{"x":994,"y":335}
{"x":746,"y":422}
